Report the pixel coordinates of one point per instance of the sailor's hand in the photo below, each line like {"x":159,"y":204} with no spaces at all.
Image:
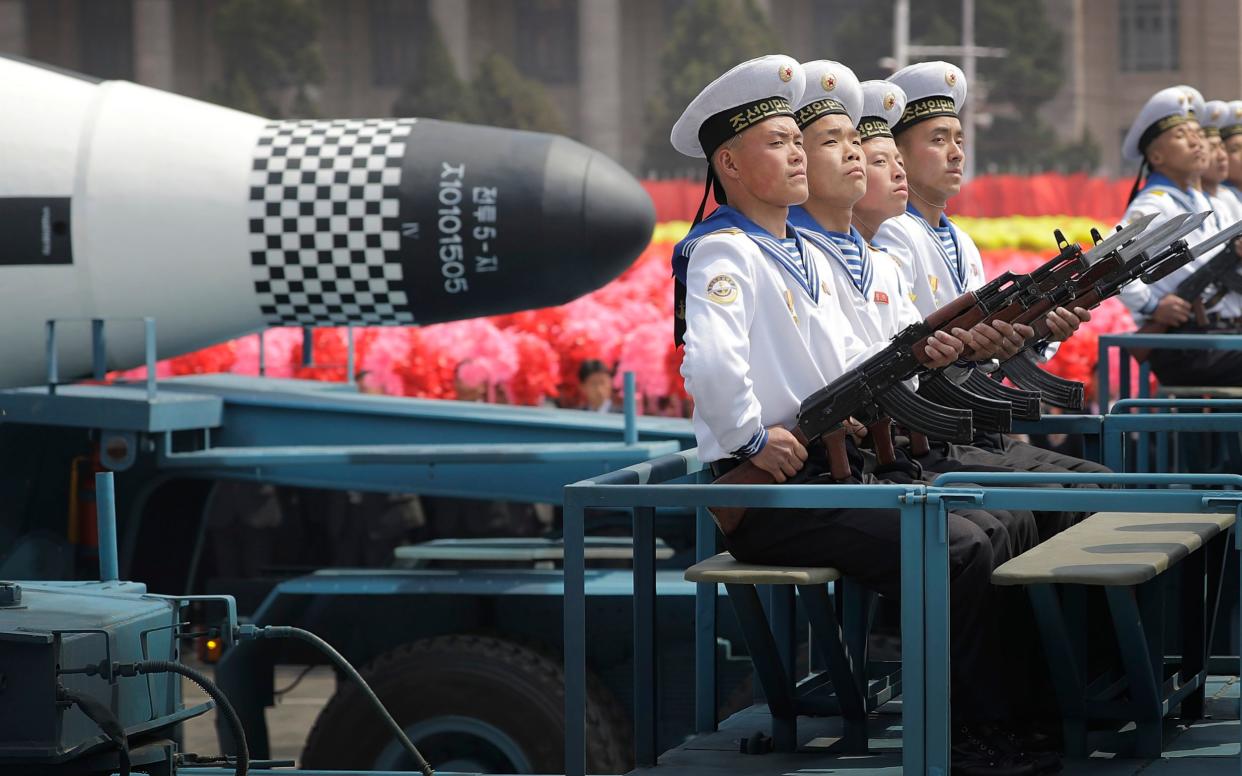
{"x":1172,"y":311}
{"x":1062,"y":323}
{"x":1016,"y":336}
{"x":782,"y":456}
{"x":943,"y":348}
{"x":855,"y":429}
{"x":999,"y":339}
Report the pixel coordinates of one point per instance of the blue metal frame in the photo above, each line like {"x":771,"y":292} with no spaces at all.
{"x":1158,"y":419}
{"x":924,"y":586}
{"x":1126,"y":342}
{"x":1089,"y":427}
{"x":99,"y":350}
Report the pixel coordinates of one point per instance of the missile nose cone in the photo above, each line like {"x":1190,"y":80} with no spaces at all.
{"x":618,"y":216}
{"x":507,"y":220}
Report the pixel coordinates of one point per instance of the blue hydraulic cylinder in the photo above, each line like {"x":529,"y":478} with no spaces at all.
{"x":105,"y":501}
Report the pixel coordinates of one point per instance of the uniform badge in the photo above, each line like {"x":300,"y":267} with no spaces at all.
{"x":722,"y":289}
{"x":934,"y":282}
{"x":881,"y":297}
{"x":1215,"y":114}
{"x":786,"y":73}
{"x":828,"y":81}
{"x":823,"y":286}
{"x":1159,"y":192}
{"x":890,"y":100}
{"x":1237,"y":112}
{"x":950,"y":78}
{"x":913,"y":297}
{"x":789,"y":303}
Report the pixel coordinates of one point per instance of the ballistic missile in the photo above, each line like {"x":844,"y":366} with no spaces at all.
{"x":118,"y":201}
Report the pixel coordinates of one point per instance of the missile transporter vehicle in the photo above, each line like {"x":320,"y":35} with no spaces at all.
{"x":139,"y":223}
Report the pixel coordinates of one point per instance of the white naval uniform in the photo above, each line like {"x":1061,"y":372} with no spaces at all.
{"x":885,"y":309}
{"x":925,"y":267}
{"x":1166,"y":202}
{"x":756,"y":343}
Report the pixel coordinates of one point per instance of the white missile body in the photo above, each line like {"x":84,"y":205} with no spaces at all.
{"x":119,"y":201}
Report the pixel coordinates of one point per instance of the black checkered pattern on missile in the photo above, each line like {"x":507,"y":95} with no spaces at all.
{"x":324,"y":222}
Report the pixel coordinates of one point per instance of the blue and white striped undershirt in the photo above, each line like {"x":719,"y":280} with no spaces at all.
{"x":791,"y":247}
{"x":945,"y":233}
{"x":853,"y":258}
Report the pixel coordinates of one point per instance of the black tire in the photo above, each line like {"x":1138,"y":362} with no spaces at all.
{"x":508,"y":686}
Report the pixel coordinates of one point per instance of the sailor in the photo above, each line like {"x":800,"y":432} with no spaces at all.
{"x":940,"y":261}
{"x":1222,"y":198}
{"x":1172,"y":153}
{"x":1225,"y":200}
{"x":866,"y":284}
{"x":1231,"y":135}
{"x":760,"y":334}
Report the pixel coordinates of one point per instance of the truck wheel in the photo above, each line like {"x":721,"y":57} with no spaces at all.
{"x":470,"y":704}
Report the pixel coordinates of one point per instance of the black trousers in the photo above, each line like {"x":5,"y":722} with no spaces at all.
{"x":1196,"y":367}
{"x":1012,"y":455}
{"x":866,"y":546}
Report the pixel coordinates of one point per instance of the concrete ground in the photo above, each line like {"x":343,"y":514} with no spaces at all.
{"x":288,"y":722}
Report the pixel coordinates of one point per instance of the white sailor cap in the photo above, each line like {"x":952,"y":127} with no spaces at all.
{"x":932,"y":89}
{"x":1198,"y":106}
{"x":883,"y":104}
{"x":1233,"y":120}
{"x":749,"y":93}
{"x":831,"y":87}
{"x":1215,"y":114}
{"x":1166,"y":109}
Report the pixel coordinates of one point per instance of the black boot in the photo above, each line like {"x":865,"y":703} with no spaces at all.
{"x":975,"y":752}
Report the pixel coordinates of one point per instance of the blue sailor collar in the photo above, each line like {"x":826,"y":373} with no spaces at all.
{"x":956,"y":265}
{"x":725,"y":217}
{"x":1185,"y":198}
{"x":825,"y":240}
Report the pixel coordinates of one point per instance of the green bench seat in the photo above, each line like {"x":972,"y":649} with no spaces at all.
{"x":1126,"y":556}
{"x":845,"y":688}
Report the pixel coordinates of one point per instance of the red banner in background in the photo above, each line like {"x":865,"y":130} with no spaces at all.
{"x":1046,"y":194}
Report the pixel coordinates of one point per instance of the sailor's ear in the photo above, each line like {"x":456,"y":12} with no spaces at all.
{"x":725,"y":160}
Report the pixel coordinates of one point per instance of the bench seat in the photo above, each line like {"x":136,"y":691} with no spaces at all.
{"x":725,"y":569}
{"x":1212,"y":391}
{"x":1124,"y":556}
{"x":845,"y":687}
{"x":1113,"y":548}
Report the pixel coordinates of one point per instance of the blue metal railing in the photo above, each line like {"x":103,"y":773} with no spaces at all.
{"x":1159,"y":419}
{"x":99,"y":350}
{"x":924,"y":584}
{"x":1127,"y":342}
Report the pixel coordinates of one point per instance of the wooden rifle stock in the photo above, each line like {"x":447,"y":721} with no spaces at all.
{"x":881,"y":434}
{"x":919,"y":444}
{"x":945,"y":315}
{"x":746,"y":473}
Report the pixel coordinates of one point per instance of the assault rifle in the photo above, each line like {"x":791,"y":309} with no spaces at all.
{"x":1032,"y":309}
{"x":1153,"y":265}
{"x":1032,"y":306}
{"x":1025,"y":301}
{"x":1219,"y":272}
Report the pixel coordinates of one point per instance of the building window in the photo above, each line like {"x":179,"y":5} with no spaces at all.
{"x":546,"y":40}
{"x":398,"y":33}
{"x":1149,"y":35}
{"x":106,"y":38}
